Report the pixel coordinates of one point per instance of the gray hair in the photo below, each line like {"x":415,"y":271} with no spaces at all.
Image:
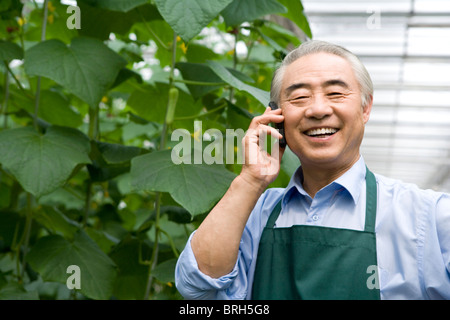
{"x":316,"y":46}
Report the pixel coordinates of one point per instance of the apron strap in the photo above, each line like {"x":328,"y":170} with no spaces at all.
{"x":371,"y":201}
{"x":371,"y":205}
{"x":274,"y":215}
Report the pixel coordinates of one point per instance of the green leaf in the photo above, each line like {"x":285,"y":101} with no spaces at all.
{"x":55,"y":108}
{"x":51,"y":256}
{"x":202,"y":73}
{"x":15,"y":291}
{"x":42,"y":163}
{"x":117,"y":153}
{"x":196,"y":187}
{"x":261,"y":95}
{"x":165,"y":271}
{"x":87,"y":68}
{"x":110,"y":160}
{"x":240,"y":11}
{"x":197,"y":53}
{"x":10,"y":9}
{"x":99,"y":22}
{"x":10,"y":223}
{"x":10,"y":51}
{"x":289,"y":162}
{"x":116,"y":5}
{"x":176,"y":214}
{"x":188,"y":17}
{"x":52,"y":219}
{"x":238,"y":117}
{"x":278,"y":37}
{"x":295,"y":13}
{"x":132,"y":275}
{"x":150,"y":102}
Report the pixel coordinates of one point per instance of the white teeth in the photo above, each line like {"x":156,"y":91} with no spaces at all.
{"x":320,"y":131}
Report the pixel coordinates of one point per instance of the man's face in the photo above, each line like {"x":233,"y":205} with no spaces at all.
{"x":324,"y":118}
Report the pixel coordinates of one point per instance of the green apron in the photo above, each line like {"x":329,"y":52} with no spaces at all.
{"x":310,"y":262}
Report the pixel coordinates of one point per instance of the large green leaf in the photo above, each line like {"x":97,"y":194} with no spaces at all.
{"x":42,"y":163}
{"x":132,"y":274}
{"x":110,"y":160}
{"x":87,"y":68}
{"x":55,"y":108}
{"x":51,"y":256}
{"x":100,"y":22}
{"x":248,"y":10}
{"x":188,"y":17}
{"x":15,"y":291}
{"x":116,"y":5}
{"x":165,"y":272}
{"x":10,"y":51}
{"x":261,"y":95}
{"x":196,"y":187}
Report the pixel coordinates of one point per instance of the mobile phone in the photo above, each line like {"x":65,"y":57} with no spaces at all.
{"x":279,"y":126}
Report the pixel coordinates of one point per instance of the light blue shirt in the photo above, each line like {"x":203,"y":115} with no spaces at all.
{"x":412,"y":235}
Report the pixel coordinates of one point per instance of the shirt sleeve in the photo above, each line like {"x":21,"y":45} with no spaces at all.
{"x":194,"y":284}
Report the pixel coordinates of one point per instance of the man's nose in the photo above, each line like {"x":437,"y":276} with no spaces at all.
{"x":319,"y":108}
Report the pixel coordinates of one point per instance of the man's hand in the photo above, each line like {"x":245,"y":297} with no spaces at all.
{"x":261,"y":168}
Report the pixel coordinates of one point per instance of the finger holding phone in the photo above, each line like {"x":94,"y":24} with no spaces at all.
{"x":260,"y":167}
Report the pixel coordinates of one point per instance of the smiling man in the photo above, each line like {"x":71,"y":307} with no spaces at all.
{"x":337,"y":231}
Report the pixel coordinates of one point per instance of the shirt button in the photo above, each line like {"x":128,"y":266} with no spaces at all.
{"x":315,"y":217}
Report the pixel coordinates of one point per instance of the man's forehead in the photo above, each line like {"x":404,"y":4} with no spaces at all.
{"x":322,"y":69}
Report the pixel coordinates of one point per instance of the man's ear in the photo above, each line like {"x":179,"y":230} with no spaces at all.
{"x":367,"y":109}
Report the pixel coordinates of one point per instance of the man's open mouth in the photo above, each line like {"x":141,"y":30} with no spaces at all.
{"x":321,"y":132}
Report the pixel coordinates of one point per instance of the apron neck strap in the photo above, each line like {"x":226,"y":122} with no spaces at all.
{"x":274,"y":215}
{"x":371,"y":204}
{"x":371,"y":201}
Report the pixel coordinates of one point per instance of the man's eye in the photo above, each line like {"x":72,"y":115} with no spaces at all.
{"x":300,"y":98}
{"x":336,"y":94}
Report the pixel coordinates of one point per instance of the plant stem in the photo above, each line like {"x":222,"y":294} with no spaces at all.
{"x":154,"y":258}
{"x":93,"y":122}
{"x":172,"y":244}
{"x":235,"y":62}
{"x":38,"y":86}
{"x":6,"y":98}
{"x":87,"y":203}
{"x":25,"y":236}
{"x":93,"y":133}
{"x":162,"y":146}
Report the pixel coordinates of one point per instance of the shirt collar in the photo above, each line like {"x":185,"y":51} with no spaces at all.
{"x":351,"y":181}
